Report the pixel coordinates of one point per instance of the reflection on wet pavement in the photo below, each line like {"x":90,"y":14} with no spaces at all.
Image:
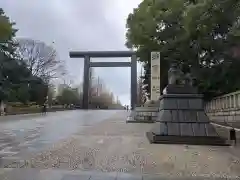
{"x":113,"y":146}
{"x":20,"y":136}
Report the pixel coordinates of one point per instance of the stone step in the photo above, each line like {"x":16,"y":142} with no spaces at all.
{"x":145,"y":119}
{"x":147,"y":109}
{"x":188,"y":140}
{"x":146,"y":114}
{"x":140,"y":121}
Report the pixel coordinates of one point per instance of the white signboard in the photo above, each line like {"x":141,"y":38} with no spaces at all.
{"x":155,"y":75}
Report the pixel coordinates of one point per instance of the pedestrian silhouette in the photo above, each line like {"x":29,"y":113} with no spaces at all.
{"x":232,"y":135}
{"x":44,"y":109}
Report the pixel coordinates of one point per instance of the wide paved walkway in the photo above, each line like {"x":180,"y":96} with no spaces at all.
{"x":22,"y":135}
{"x":112,"y":149}
{"x":49,"y":174}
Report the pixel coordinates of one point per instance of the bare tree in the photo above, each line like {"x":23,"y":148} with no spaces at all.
{"x":41,"y":59}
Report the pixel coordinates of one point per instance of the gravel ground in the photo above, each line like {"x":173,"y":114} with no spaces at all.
{"x":113,"y":145}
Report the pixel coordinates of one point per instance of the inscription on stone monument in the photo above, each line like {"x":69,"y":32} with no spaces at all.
{"x":155,"y":75}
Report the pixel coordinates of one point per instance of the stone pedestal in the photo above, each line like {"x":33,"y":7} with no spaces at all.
{"x":145,"y":114}
{"x":180,"y":89}
{"x":182,"y":120}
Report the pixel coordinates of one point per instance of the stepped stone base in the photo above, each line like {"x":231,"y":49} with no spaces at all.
{"x":144,"y":114}
{"x":180,"y":89}
{"x":188,"y":140}
{"x":182,"y":120}
{"x":140,"y":121}
{"x":142,"y":117}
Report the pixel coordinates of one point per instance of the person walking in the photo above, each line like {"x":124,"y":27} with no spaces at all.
{"x":3,"y":108}
{"x":232,"y":135}
{"x":44,"y":109}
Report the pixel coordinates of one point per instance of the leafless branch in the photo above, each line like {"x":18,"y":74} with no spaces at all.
{"x":41,"y":59}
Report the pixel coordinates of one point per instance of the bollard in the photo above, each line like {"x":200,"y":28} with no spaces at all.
{"x":232,"y":135}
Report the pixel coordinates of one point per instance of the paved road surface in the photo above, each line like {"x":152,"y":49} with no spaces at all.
{"x":102,"y":141}
{"x":25,"y":134}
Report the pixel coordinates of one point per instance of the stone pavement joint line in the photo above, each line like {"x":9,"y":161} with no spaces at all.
{"x":112,"y":146}
{"x":50,"y":174}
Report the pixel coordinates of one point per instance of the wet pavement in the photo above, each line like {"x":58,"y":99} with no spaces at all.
{"x":101,"y":145}
{"x":35,"y":174}
{"x":23,"y":135}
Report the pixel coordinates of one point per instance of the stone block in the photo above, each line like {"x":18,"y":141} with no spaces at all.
{"x":153,"y":109}
{"x":182,"y":103}
{"x":163,"y":129}
{"x":189,"y":116}
{"x":191,"y":140}
{"x":173,"y":129}
{"x":202,"y":117}
{"x":169,"y":103}
{"x":164,"y":116}
{"x":195,"y":103}
{"x":181,"y":116}
{"x":193,"y":116}
{"x":175,"y":116}
{"x":186,"y":129}
{"x":161,"y":104}
{"x":210,"y":130}
{"x":146,"y":109}
{"x":198,"y":129}
{"x":141,"y":120}
{"x":154,"y":113}
{"x":180,"y":89}
{"x":160,"y":114}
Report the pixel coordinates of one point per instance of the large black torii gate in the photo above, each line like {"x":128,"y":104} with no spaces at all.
{"x":107,"y":54}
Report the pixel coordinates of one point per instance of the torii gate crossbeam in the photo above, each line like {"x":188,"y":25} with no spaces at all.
{"x":107,"y":54}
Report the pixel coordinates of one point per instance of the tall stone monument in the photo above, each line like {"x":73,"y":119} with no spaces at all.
{"x":181,"y":117}
{"x":148,"y":112}
{"x":155,"y":76}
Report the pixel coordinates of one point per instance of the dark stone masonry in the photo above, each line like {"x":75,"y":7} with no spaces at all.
{"x":182,"y":120}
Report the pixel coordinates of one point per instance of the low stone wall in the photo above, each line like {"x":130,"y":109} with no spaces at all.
{"x":225,"y":109}
{"x":148,"y":115}
{"x":224,"y":132}
{"x":144,"y":114}
{"x":227,"y":117}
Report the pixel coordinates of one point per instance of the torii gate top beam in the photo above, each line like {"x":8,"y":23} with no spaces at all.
{"x":101,"y":54}
{"x":87,"y":55}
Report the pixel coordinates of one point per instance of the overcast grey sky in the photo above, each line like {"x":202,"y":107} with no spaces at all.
{"x":78,"y":25}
